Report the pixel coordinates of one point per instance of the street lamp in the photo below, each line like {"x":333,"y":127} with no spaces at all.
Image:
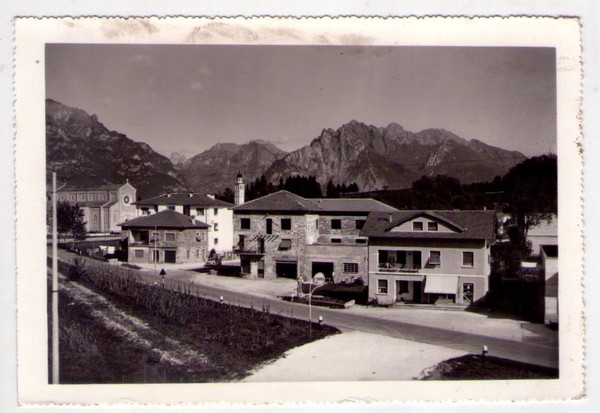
{"x":318,"y":280}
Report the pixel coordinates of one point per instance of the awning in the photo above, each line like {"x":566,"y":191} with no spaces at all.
{"x":285,"y":244}
{"x":437,"y":284}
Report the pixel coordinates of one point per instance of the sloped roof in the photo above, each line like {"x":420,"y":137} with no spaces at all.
{"x":278,"y":202}
{"x":474,"y":224}
{"x":285,"y":201}
{"x":183,"y":198}
{"x":164,"y":219}
{"x":429,"y":214}
{"x":95,"y":204}
{"x":83,"y":187}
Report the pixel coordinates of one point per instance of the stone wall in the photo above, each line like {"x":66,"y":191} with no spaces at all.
{"x":188,"y":248}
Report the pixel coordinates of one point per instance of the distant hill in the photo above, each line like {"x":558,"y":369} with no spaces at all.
{"x":80,"y":148}
{"x":216,"y":168}
{"x":392,"y":157}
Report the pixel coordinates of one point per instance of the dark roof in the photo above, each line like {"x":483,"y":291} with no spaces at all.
{"x":83,"y":187}
{"x":469,"y":224}
{"x":285,"y":201}
{"x":188,"y":199}
{"x":164,"y":219}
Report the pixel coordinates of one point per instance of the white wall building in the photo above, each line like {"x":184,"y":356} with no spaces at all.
{"x":216,"y":213}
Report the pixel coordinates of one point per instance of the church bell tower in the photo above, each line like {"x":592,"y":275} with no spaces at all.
{"x":239,"y":193}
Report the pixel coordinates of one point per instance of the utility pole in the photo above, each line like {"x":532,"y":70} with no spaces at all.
{"x":55,"y":355}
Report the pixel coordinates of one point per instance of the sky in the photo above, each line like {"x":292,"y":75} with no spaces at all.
{"x":186,"y":98}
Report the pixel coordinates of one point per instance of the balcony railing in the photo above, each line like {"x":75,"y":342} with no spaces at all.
{"x":404,"y":268}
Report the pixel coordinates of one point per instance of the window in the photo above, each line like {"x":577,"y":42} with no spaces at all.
{"x":199,"y":211}
{"x":317,"y":224}
{"x":216,"y":227}
{"x":154,"y":236}
{"x":350,"y":267}
{"x":269,"y":226}
{"x":286,"y":224}
{"x":336,"y":240}
{"x":216,"y":211}
{"x":171,"y":207}
{"x":245,"y":223}
{"x":468,"y":259}
{"x":435,"y":258}
{"x":285,"y":244}
{"x":336,"y":224}
{"x":199,"y":237}
{"x":139,"y":253}
{"x":382,"y":286}
{"x":360,"y":223}
{"x":403,"y":287}
{"x":417,"y":226}
{"x":360,"y":240}
{"x":188,"y":254}
{"x":216,"y":241}
{"x":432,"y":226}
{"x":169,"y":236}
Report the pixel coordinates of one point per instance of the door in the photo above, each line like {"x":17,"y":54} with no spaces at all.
{"x":155,"y":256}
{"x":261,"y":269}
{"x":171,"y":256}
{"x":417,"y":291}
{"x":325,"y":267}
{"x":468,"y":293}
{"x":269,"y":226}
{"x":287,"y":269}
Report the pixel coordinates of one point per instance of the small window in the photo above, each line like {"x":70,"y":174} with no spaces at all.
{"x":188,"y":254}
{"x":382,"y":286}
{"x":216,"y":227}
{"x":435,"y":258}
{"x":432,"y":226}
{"x":199,"y":211}
{"x":336,"y":240}
{"x":199,"y":237}
{"x":286,"y":224}
{"x":169,"y":236}
{"x":245,"y":223}
{"x":468,"y":259}
{"x":154,"y":236}
{"x":171,"y":207}
{"x":216,"y":211}
{"x":360,"y":240}
{"x":350,"y":267}
{"x":216,"y":241}
{"x":360,"y":223}
{"x":285,"y":244}
{"x":139,"y":253}
{"x":336,"y":224}
{"x":417,"y":226}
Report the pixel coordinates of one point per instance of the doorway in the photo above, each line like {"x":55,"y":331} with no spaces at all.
{"x":325,"y":267}
{"x":287,"y":269}
{"x":170,"y":256}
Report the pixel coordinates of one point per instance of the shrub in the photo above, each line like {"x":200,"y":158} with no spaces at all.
{"x":77,"y":269}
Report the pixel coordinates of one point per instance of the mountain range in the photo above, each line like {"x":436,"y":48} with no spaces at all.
{"x":80,"y":147}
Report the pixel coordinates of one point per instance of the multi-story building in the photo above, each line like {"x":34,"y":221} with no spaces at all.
{"x":422,"y":256}
{"x":216,"y":213}
{"x":165,"y":237}
{"x":286,"y":235}
{"x":104,"y":206}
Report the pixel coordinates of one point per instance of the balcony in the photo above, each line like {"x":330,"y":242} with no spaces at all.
{"x":399,"y":268}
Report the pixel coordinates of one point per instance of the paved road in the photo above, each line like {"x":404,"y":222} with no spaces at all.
{"x":528,"y":352}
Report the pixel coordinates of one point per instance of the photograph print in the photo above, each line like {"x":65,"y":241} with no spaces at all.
{"x":297,"y":213}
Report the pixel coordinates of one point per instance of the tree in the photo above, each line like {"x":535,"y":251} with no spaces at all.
{"x":70,"y":221}
{"x":531,"y":189}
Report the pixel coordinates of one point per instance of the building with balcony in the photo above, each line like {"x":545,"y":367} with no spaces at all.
{"x":286,"y":235}
{"x":426,"y":256}
{"x":165,"y":237}
{"x":104,"y":206}
{"x":205,"y":208}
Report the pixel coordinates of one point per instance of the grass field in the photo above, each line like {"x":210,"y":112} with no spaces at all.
{"x":477,"y":367}
{"x":115,"y":329}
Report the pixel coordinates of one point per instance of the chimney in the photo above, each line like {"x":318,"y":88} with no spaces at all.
{"x":390,"y":217}
{"x":240,"y":191}
{"x":211,"y":196}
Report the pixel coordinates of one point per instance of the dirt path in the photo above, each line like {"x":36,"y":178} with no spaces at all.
{"x":130,"y":327}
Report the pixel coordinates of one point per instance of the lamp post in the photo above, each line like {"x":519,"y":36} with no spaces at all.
{"x":318,"y":280}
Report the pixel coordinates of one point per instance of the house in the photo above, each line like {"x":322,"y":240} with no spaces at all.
{"x":216,"y":213}
{"x":165,"y":237}
{"x":423,"y":256}
{"x":286,"y":235}
{"x":549,"y":276}
{"x":544,"y":233}
{"x":104,"y":206}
